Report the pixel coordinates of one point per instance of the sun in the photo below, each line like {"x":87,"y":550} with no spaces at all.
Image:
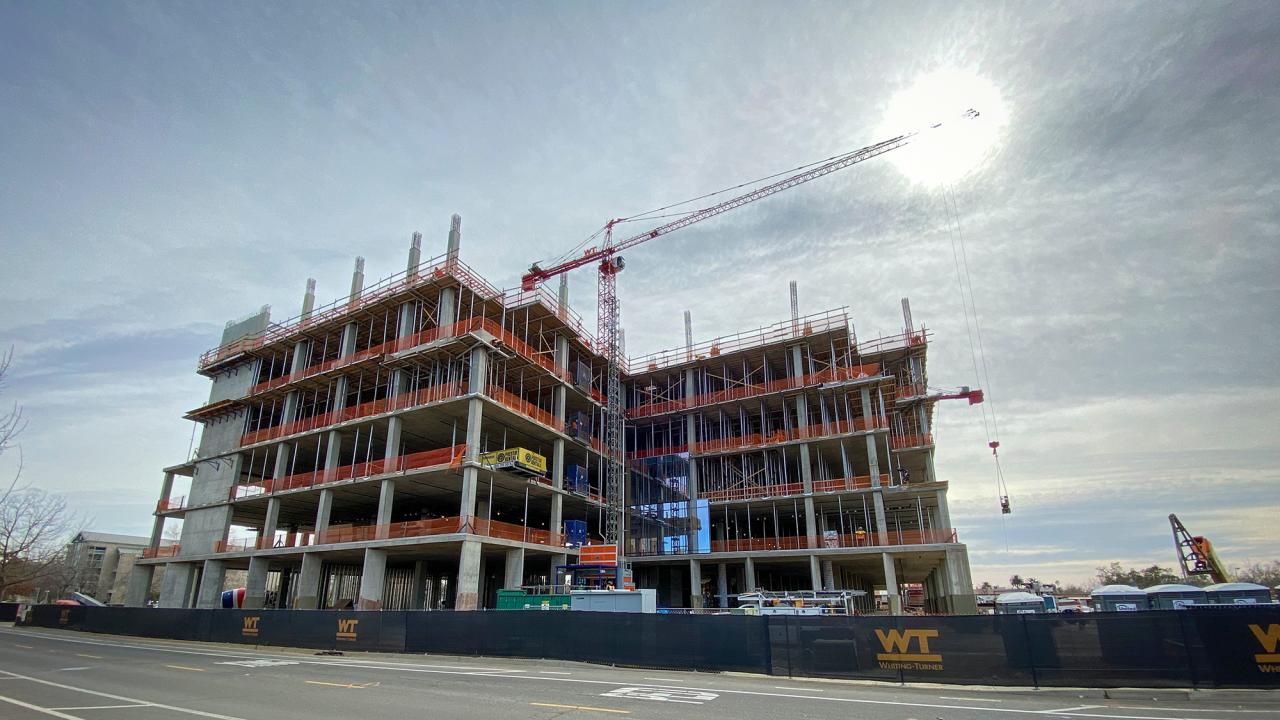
{"x":957,"y":148}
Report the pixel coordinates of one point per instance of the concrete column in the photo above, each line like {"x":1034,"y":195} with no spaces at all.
{"x":557,"y":446}
{"x":268,"y":536}
{"x":891,"y":584}
{"x":751,"y":574}
{"x":211,"y":581}
{"x":308,"y":595}
{"x":557,"y":560}
{"x":873,"y":461}
{"x":372,"y":578}
{"x":357,"y":279}
{"x":882,"y":523}
{"x":468,"y":595}
{"x":815,"y":573}
{"x":944,"y":513}
{"x":514,"y":569}
{"x":255,"y":584}
{"x":178,"y":578}
{"x":386,"y":500}
{"x":475,"y":416}
{"x":828,"y":575}
{"x":139,"y":585}
{"x":690,"y":433}
{"x":157,"y":526}
{"x":695,"y":584}
{"x":722,"y":584}
{"x":959,"y":587}
{"x":323,"y":510}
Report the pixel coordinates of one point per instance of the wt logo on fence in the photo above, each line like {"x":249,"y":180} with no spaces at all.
{"x":347,"y":629}
{"x":898,"y":653}
{"x":1269,"y":639}
{"x":250,"y":628}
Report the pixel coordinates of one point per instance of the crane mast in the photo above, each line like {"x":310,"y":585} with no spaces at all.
{"x":610,"y":264}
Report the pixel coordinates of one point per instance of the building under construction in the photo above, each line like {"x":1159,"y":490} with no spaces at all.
{"x":353,"y":456}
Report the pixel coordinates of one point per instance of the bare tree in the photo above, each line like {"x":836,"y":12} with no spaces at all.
{"x":12,"y":423}
{"x":34,"y":526}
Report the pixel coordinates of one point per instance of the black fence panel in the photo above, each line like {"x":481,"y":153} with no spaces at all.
{"x":9,"y":611}
{"x":1147,"y":649}
{"x":1223,"y":647}
{"x":1236,"y":646}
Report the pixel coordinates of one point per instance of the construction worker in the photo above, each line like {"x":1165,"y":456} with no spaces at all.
{"x":860,"y":537}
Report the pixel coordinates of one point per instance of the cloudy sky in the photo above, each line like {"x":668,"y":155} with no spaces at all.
{"x":165,"y":167}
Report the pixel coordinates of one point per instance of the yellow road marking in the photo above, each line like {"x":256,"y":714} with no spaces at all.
{"x":582,"y":707}
{"x":95,"y":657}
{"x":184,"y":667}
{"x":349,"y":686}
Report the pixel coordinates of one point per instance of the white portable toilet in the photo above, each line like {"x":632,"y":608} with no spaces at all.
{"x":1118,"y":598}
{"x":1019,"y":603}
{"x":1237,"y":593}
{"x":1174,"y":596}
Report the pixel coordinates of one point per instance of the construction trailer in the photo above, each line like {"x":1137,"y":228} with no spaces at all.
{"x":428,"y":439}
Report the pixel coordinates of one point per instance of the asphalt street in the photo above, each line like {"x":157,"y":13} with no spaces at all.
{"x":65,"y":674}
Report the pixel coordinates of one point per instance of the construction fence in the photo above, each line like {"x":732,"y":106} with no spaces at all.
{"x":1206,"y":647}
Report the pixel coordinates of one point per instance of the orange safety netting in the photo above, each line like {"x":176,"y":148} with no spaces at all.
{"x":741,"y":392}
{"x":441,"y":457}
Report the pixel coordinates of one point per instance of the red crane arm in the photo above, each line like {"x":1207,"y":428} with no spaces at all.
{"x":537,"y":274}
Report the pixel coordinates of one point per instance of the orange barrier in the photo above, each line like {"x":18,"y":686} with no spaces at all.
{"x":522,"y":406}
{"x":433,"y":393}
{"x":440,"y":457}
{"x":438,"y":526}
{"x":808,"y":432}
{"x":748,"y":391}
{"x":911,"y":440}
{"x":171,"y":504}
{"x":160,"y":552}
{"x":437,"y":269}
{"x":847,"y":540}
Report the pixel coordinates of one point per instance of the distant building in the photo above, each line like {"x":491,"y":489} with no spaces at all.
{"x":100,"y":563}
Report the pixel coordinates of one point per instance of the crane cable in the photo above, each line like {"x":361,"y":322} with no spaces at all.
{"x":649,"y":214}
{"x":977,"y":350}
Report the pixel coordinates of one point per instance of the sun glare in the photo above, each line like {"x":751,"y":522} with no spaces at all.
{"x":948,"y":153}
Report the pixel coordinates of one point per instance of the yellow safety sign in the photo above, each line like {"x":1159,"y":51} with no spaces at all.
{"x":516,"y":458}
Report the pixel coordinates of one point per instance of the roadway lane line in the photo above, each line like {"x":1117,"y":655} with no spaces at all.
{"x":184,"y":667}
{"x":25,"y":647}
{"x":1147,"y":707}
{"x":553,"y":672}
{"x":95,"y":657}
{"x":779,"y":687}
{"x":101,"y":707}
{"x":37,"y":708}
{"x":664,"y":679}
{"x":348,"y":686}
{"x":416,"y":668}
{"x":162,"y":706}
{"x":581,"y":707}
{"x":1070,"y":709}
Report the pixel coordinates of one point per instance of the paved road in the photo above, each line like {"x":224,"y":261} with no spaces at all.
{"x":64,"y":674}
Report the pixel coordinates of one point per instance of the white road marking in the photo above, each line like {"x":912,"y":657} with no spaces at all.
{"x":1140,"y":707}
{"x":73,"y":669}
{"x":664,"y":679}
{"x":779,"y":687}
{"x":1070,"y":709}
{"x":967,"y":699}
{"x":675,"y":695}
{"x":553,"y":672}
{"x":101,"y":707}
{"x":39,"y":709}
{"x":162,"y":706}
{"x":407,"y":667}
{"x":264,"y":662}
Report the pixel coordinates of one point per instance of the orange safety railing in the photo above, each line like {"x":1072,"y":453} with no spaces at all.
{"x":171,"y":504}
{"x":514,"y":402}
{"x":748,"y":391}
{"x":160,"y":552}
{"x":517,"y":297}
{"x":846,"y":540}
{"x":894,"y":342}
{"x":777,"y":332}
{"x":223,"y":546}
{"x":656,"y":452}
{"x":440,"y":457}
{"x":750,"y":492}
{"x":435,"y":269}
{"x":438,"y":526}
{"x":317,"y":369}
{"x":911,"y":440}
{"x":807,"y":432}
{"x":442,"y":391}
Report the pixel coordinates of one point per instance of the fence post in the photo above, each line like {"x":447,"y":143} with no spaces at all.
{"x":1031,"y":655}
{"x":1186,"y":647}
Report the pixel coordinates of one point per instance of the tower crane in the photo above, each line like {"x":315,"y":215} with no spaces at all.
{"x":610,"y":263}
